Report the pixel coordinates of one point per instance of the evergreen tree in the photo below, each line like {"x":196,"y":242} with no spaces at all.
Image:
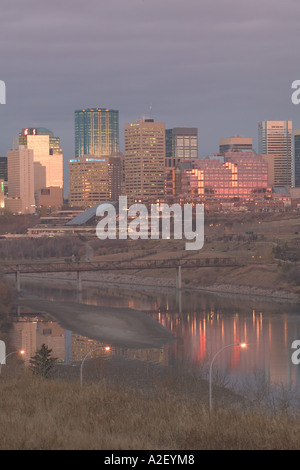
{"x":42,"y":363}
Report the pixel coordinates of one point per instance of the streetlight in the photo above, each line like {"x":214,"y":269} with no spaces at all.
{"x":242,"y":345}
{"x":22,"y":352}
{"x":106,"y":348}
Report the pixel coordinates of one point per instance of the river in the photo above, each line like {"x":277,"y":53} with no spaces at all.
{"x":202,"y":324}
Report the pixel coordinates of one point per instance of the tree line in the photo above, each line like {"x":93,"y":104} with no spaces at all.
{"x":39,"y":248}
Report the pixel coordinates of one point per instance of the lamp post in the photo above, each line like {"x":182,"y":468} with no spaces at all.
{"x":106,"y":348}
{"x":13,"y":352}
{"x":242,"y":345}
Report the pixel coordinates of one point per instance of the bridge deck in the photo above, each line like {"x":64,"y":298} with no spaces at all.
{"x":12,"y":268}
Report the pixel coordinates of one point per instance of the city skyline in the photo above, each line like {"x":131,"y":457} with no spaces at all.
{"x":105,"y":135}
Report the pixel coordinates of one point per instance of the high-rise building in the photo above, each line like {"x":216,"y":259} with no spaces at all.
{"x":47,"y":156}
{"x":20,"y":198}
{"x":181,"y":145}
{"x":94,"y":179}
{"x":144,"y":160}
{"x":235,"y":144}
{"x":96,"y":132}
{"x":297,"y":157}
{"x":275,"y":138}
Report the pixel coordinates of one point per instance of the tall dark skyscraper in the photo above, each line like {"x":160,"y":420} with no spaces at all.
{"x":3,"y":168}
{"x":181,"y":145}
{"x":96,"y":132}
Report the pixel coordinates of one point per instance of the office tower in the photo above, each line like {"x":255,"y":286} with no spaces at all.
{"x":47,"y":156}
{"x":144,"y":160}
{"x":297,"y":157}
{"x":94,"y":179}
{"x":115,"y":175}
{"x":96,"y":132}
{"x":181,"y":145}
{"x":235,"y":144}
{"x":20,"y":198}
{"x":275,"y":138}
{"x":240,"y":175}
{"x":3,"y":168}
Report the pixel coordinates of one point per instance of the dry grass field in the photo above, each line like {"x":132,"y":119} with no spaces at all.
{"x":40,"y":414}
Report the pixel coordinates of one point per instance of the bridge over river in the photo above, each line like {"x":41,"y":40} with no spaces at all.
{"x":17,"y":269}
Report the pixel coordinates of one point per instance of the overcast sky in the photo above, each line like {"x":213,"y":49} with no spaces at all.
{"x":219,"y":65}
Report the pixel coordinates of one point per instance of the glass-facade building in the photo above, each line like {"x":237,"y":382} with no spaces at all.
{"x":240,"y":175}
{"x":96,"y":132}
{"x":181,"y":145}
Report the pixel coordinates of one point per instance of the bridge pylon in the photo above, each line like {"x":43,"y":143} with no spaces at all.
{"x":178,"y":277}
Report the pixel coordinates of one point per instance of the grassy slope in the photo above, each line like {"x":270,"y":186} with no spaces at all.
{"x":36,"y":414}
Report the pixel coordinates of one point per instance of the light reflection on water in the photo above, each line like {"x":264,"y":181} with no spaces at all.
{"x":202,"y":324}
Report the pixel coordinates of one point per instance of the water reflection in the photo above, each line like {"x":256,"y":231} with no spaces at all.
{"x":201,"y":323}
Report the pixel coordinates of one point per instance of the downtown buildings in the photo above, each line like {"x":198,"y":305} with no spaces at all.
{"x":158,"y":163}
{"x":163,"y":164}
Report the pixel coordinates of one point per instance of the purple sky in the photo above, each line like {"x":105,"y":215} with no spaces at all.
{"x":219,"y":65}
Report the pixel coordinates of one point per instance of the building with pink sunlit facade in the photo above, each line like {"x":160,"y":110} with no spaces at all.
{"x":242,"y":175}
